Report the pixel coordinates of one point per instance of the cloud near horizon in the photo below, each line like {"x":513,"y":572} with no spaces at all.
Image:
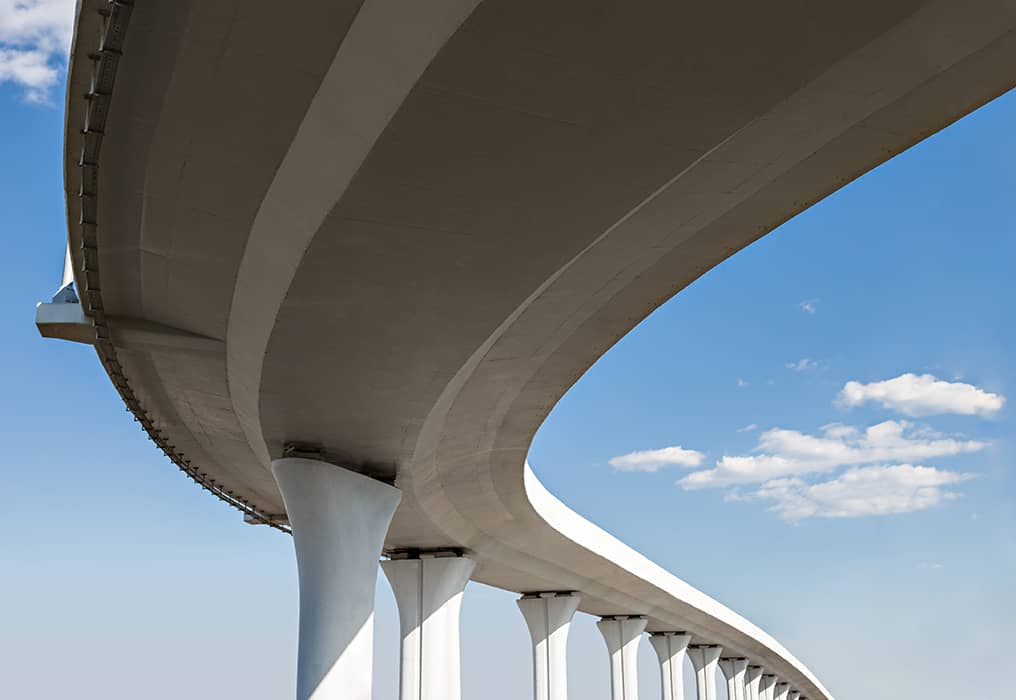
{"x":655,"y":460}
{"x":789,"y":453}
{"x":861,"y":491}
{"x":922,"y":395}
{"x":35,"y":38}
{"x":881,"y":468}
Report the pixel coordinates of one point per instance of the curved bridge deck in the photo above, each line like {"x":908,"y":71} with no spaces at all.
{"x":395,"y":233}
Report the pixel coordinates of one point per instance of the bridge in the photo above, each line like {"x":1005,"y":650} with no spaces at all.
{"x":340,"y":259}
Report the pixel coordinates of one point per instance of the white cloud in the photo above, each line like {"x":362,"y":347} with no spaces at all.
{"x":930,"y":565}
{"x":748,"y":428}
{"x":862,"y":491}
{"x":809,"y":306}
{"x":922,"y":395}
{"x":655,"y":460}
{"x":30,"y":69}
{"x":741,"y":382}
{"x":788,"y":453}
{"x":35,"y":37}
{"x":802,"y":365}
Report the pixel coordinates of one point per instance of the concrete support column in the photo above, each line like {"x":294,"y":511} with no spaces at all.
{"x":793,"y":695}
{"x":704,"y":659}
{"x":428,"y":591}
{"x":548,"y":616}
{"x":782,"y":690}
{"x":752,"y":681}
{"x":339,"y":520}
{"x":671,"y":648}
{"x":767,"y":688}
{"x":735,"y":670}
{"x":622,"y":634}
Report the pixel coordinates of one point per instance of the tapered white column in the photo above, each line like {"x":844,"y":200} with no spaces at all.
{"x":704,"y":660}
{"x":752,"y":681}
{"x":428,"y":591}
{"x":671,"y":648}
{"x":548,"y":616}
{"x":734,"y":670}
{"x":339,"y":520}
{"x":622,"y":634}
{"x":793,"y":695}
{"x":782,"y":690}
{"x":767,"y":688}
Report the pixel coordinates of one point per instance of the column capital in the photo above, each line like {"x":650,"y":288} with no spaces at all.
{"x":704,"y":654}
{"x":605,"y":618}
{"x":549,"y":594}
{"x":400,"y":553}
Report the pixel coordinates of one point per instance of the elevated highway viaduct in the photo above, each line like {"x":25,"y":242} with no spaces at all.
{"x":341,"y":258}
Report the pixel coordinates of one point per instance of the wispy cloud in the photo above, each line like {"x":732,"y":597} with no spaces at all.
{"x":803,"y":365}
{"x":655,"y":460}
{"x":922,"y":395}
{"x":742,"y":383}
{"x":748,"y":428}
{"x":809,"y":306}
{"x":862,"y":491}
{"x":930,"y":565}
{"x":35,"y":36}
{"x":784,"y":453}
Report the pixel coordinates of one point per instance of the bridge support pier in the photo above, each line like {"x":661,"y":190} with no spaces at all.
{"x":339,"y":520}
{"x":671,"y":648}
{"x":767,"y":688}
{"x":622,"y":634}
{"x":548,"y":616}
{"x":704,"y":659}
{"x":752,"y":681}
{"x":734,"y":670}
{"x":428,"y":591}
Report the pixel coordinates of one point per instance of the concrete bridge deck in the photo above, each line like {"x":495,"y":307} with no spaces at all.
{"x":392,"y":234}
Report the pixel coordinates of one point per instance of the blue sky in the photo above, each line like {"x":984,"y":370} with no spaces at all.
{"x":119,"y":574}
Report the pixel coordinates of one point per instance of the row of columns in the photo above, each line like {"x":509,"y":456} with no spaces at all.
{"x":339,"y":520}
